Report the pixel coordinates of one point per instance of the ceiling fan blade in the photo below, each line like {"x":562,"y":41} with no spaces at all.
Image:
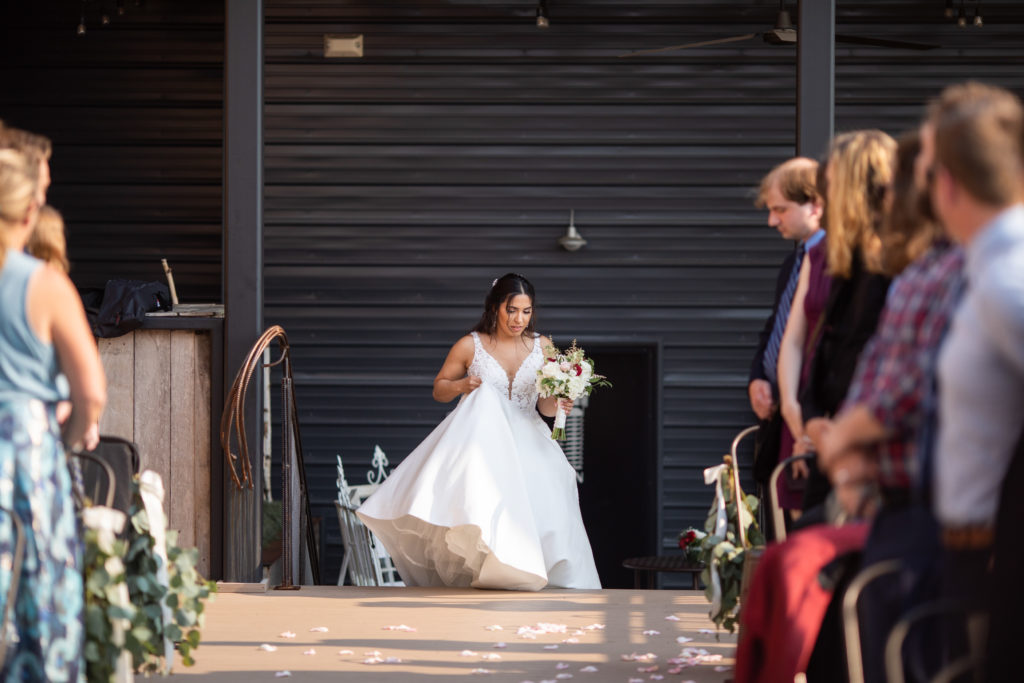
{"x":704,"y":43}
{"x":884,"y":42}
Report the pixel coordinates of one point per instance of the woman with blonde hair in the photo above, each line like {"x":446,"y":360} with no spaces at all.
{"x":43,"y":332}
{"x":47,"y":242}
{"x":816,"y":370}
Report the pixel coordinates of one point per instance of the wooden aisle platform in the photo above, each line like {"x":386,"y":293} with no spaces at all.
{"x":451,"y":640}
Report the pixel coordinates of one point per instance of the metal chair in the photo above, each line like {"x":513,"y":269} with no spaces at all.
{"x":975,"y":622}
{"x":7,"y":627}
{"x":851,"y":619}
{"x":366,"y":561}
{"x":118,"y":460}
{"x":778,"y":519}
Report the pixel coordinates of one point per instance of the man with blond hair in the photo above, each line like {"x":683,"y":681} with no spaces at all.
{"x":789,"y":193}
{"x":972,"y":156}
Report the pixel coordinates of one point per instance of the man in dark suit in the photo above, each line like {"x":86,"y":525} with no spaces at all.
{"x":789,"y":193}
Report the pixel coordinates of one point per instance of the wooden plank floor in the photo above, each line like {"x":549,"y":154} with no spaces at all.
{"x":449,"y":622}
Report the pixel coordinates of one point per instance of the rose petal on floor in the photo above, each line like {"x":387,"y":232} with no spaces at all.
{"x":683,"y":639}
{"x":706,"y":631}
{"x":286,"y":634}
{"x":561,"y":665}
{"x":589,"y":669}
{"x":652,"y":632}
{"x":400,"y":627}
{"x":283,"y":674}
{"x":656,"y":677}
{"x":392,"y":660}
{"x":310,"y":651}
{"x":563,"y":676}
{"x":318,"y":629}
{"x":594,"y":627}
{"x":722,"y":669}
{"x":671,"y":617}
{"x":494,"y":627}
{"x":571,"y":640}
{"x":491,"y":656}
{"x":481,"y":671}
{"x":551,"y":647}
{"x":500,"y":645}
{"x":267,"y":647}
{"x":345,"y":652}
{"x":467,"y":653}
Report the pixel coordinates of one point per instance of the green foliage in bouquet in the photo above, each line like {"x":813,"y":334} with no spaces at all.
{"x":138,"y":625}
{"x":724,"y":555}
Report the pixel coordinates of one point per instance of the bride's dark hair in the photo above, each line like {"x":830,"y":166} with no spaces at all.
{"x":503,"y":289}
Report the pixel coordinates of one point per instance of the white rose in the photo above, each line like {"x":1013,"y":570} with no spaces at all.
{"x":577,"y":385}
{"x":588,"y":370}
{"x":551,"y":370}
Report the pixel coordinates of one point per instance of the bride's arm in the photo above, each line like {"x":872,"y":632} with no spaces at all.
{"x":452,"y":380}
{"x":549,"y":406}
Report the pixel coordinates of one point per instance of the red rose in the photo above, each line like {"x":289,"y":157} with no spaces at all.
{"x":579,"y":370}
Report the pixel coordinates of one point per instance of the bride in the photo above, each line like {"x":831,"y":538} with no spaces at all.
{"x":488,"y":500}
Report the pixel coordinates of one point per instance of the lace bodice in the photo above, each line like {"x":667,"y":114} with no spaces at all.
{"x":523,"y":392}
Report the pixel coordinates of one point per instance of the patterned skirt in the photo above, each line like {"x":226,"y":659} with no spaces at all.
{"x":44,"y":632}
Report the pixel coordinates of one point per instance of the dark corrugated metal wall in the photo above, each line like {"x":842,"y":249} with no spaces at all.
{"x":134,"y":109}
{"x":399,"y":185}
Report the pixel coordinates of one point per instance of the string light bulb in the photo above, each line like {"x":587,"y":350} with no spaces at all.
{"x":949,"y":13}
{"x":542,"y":14}
{"x":978,"y":21}
{"x":961,"y":17}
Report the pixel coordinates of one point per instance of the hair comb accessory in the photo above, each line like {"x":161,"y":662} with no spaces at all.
{"x":494,"y":282}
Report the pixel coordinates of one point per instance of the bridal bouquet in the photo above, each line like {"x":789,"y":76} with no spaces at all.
{"x":567,"y":374}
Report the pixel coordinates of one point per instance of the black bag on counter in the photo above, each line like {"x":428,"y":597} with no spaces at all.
{"x":123,"y":305}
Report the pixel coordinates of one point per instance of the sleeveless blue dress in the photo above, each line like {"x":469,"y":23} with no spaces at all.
{"x":44,"y":634}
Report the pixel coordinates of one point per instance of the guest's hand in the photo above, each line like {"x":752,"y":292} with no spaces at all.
{"x":91,"y":439}
{"x":817,"y":430}
{"x":761,"y":403}
{"x":852,"y":477}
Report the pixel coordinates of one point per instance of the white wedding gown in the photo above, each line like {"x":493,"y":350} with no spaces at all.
{"x":488,"y":499}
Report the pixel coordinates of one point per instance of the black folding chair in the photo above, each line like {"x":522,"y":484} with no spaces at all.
{"x":107,"y":472}
{"x":7,"y":626}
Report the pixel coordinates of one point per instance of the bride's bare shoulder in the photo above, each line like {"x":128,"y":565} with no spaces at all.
{"x":464,"y":346}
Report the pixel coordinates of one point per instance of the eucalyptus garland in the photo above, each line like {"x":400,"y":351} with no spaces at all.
{"x":133,"y":620}
{"x":723,"y":555}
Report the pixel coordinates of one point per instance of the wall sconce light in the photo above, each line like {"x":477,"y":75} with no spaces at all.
{"x":542,"y":14}
{"x":572,"y":239}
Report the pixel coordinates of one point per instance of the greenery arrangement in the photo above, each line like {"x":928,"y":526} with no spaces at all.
{"x":125,"y":596}
{"x":724,"y":554}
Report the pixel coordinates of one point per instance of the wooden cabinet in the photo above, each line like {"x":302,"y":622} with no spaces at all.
{"x":160,"y":395}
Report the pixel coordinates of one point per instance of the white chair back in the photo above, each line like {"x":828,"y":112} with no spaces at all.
{"x":366,"y":561}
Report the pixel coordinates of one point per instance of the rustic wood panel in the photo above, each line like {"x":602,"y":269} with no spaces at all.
{"x":181,"y":485}
{"x":201,"y":469}
{"x":118,"y":357}
{"x":159,"y":397}
{"x":153,"y":389}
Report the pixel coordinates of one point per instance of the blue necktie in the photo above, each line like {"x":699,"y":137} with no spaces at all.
{"x":771,"y":349}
